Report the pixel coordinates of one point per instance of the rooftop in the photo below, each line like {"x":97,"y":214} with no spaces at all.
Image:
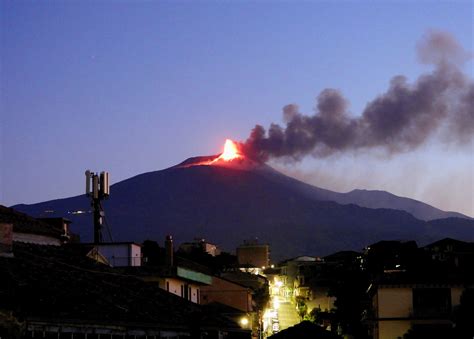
{"x":62,"y":284}
{"x":23,"y":223}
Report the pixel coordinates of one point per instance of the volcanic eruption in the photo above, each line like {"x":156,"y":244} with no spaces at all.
{"x":232,"y":156}
{"x":231,"y":152}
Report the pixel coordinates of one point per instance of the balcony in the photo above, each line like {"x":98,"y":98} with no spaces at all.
{"x":430,"y":312}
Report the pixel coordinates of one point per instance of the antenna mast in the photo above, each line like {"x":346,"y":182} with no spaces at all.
{"x":97,"y":188}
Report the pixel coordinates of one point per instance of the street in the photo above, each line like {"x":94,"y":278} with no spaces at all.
{"x":287,"y":315}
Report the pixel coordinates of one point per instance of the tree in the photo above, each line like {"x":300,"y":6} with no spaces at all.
{"x":301,"y":306}
{"x":261,"y":297}
{"x":322,"y":318}
{"x":351,"y":300}
{"x":10,"y":326}
{"x":153,"y":254}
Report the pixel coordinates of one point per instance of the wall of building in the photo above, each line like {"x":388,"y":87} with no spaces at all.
{"x":211,"y":249}
{"x":393,"y":329}
{"x":120,"y":255}
{"x":320,"y":299}
{"x":135,"y":255}
{"x":256,"y":255}
{"x":394,"y":302}
{"x":291,"y":269}
{"x":177,"y":286}
{"x":116,"y":255}
{"x":227,"y":293}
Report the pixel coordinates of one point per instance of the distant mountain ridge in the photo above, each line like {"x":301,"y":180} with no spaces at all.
{"x":228,"y":202}
{"x":373,"y":199}
{"x":383,"y":199}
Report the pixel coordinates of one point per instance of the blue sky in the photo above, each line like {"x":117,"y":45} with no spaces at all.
{"x":137,"y":86}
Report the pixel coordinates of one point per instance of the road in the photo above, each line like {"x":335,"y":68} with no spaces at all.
{"x":287,"y":314}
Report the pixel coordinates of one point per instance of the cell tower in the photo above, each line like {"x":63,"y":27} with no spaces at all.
{"x":97,"y":188}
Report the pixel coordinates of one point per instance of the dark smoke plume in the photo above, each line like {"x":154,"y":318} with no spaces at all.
{"x":399,"y":120}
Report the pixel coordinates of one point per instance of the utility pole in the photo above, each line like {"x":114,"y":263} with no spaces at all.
{"x":97,"y":188}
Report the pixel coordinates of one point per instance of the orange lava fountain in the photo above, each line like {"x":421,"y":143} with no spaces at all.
{"x":231,"y":151}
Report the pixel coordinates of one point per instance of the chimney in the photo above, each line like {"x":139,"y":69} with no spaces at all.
{"x":169,"y":251}
{"x":6,"y":240}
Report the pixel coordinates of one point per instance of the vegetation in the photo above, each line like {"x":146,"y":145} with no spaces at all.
{"x":301,"y":307}
{"x":351,"y":301}
{"x":153,"y":254}
{"x":261,"y":297}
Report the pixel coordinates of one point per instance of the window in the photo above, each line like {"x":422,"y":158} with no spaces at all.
{"x":182,"y":290}
{"x":431,"y":302}
{"x":167,"y":286}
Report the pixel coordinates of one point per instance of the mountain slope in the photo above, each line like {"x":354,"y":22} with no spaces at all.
{"x":369,"y":199}
{"x":227,"y":204}
{"x":382,"y":199}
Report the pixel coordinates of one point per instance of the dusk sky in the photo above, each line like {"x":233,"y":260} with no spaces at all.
{"x":138,"y":86}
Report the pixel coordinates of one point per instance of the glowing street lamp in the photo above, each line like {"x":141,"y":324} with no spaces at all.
{"x":244,"y":321}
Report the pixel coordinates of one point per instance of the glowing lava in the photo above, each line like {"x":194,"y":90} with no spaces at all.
{"x":231,"y":151}
{"x":226,"y":158}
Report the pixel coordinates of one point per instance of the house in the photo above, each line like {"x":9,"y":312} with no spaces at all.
{"x":292,"y":276}
{"x":252,"y":253}
{"x":120,"y":254}
{"x":27,"y":229}
{"x":253,"y":281}
{"x":62,"y":224}
{"x":319,"y":279}
{"x":456,"y":253}
{"x":241,"y":317}
{"x":229,"y":293}
{"x":244,"y":291}
{"x":200,"y":245}
{"x":389,"y":255}
{"x":177,"y":280}
{"x":344,"y":258}
{"x":415,"y":289}
{"x":52,"y":289}
{"x":177,"y":276}
{"x":57,"y":292}
{"x":401,"y":301}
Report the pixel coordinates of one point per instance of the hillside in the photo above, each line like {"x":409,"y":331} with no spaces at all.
{"x":233,"y":202}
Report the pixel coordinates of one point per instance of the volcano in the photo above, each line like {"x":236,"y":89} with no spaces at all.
{"x":228,"y":198}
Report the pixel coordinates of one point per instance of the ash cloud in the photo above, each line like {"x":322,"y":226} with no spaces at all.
{"x":400,"y":120}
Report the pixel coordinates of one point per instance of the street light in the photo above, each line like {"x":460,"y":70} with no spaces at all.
{"x":244,"y":321}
